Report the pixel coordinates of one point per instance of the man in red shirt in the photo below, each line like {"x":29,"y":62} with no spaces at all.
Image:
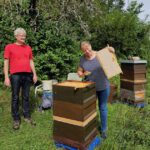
{"x":18,"y":60}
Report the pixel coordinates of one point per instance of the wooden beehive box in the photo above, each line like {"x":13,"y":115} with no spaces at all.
{"x":133,"y":86}
{"x":133,"y":69}
{"x":68,"y":131}
{"x":133,"y":80}
{"x":76,"y":92}
{"x":74,"y":113}
{"x":113,"y":93}
{"x":132,"y":95}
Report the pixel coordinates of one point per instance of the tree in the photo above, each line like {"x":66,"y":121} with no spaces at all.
{"x":55,"y":29}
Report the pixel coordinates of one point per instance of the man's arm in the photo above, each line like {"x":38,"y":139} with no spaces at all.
{"x":33,"y":70}
{"x":6,"y":68}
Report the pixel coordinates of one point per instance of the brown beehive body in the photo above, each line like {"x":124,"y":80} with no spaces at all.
{"x":133,"y":80}
{"x":74,"y":113}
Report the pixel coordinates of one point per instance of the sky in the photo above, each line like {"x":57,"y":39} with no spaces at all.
{"x":145,"y":9}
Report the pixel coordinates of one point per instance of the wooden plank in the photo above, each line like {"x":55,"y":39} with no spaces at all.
{"x":74,"y":111}
{"x":70,"y":94}
{"x":113,"y":93}
{"x":133,"y":95}
{"x":133,"y":101}
{"x":133,"y":68}
{"x":133,"y":76}
{"x":135,"y":81}
{"x":89,"y":111}
{"x":73,"y":132}
{"x":76,"y":144}
{"x":109,"y":63}
{"x":131,"y":86}
{"x":75,"y":122}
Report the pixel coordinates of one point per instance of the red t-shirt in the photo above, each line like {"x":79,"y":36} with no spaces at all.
{"x":19,"y":57}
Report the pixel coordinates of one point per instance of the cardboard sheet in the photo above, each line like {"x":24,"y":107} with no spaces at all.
{"x":109,"y":63}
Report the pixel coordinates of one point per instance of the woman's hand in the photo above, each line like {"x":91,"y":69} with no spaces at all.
{"x":111,"y":49}
{"x":80,"y":74}
{"x":86,"y":73}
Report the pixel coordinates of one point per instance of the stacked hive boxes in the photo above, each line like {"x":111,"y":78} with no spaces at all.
{"x":113,"y":93}
{"x":74,"y":113}
{"x":133,"y":80}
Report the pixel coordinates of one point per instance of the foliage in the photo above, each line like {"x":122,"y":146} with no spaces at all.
{"x":122,"y":29}
{"x":129,"y":129}
{"x":56,"y":54}
{"x":55,"y":29}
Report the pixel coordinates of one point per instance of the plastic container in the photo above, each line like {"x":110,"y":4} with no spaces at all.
{"x":47,"y":84}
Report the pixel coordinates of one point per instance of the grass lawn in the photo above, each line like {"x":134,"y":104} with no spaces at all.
{"x":27,"y":137}
{"x":128,"y":127}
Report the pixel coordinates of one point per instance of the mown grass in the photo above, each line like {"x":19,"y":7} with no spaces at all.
{"x":27,"y":137}
{"x":128,"y":127}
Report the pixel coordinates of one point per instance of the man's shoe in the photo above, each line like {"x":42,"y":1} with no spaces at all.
{"x":30,"y":121}
{"x":104,"y":135}
{"x":16,"y":124}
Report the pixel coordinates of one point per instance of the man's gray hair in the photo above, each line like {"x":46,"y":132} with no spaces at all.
{"x":19,"y":30}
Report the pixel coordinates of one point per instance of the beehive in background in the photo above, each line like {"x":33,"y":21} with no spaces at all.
{"x":74,"y":113}
{"x":113,"y":93}
{"x":133,"y":80}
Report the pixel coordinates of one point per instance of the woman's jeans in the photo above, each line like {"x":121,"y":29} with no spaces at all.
{"x":102,"y":103}
{"x":20,"y":81}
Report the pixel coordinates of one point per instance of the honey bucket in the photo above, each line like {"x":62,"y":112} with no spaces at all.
{"x":47,"y":84}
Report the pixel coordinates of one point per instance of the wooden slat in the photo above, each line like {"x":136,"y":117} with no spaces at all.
{"x":135,"y":81}
{"x":132,"y":76}
{"x":131,"y":86}
{"x":133,"y":68}
{"x":113,"y":93}
{"x":133,"y":95}
{"x":69,"y":94}
{"x":75,"y":122}
{"x":74,"y":132}
{"x":73,"y":143}
{"x":74,"y":111}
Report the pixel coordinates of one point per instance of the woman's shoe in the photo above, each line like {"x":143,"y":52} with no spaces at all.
{"x":104,"y":135}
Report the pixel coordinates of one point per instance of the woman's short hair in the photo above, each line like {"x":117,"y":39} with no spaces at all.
{"x":19,"y":30}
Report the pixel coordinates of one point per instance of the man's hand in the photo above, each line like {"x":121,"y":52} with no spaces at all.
{"x":6,"y":66}
{"x":34,"y":78}
{"x":7,"y":82}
